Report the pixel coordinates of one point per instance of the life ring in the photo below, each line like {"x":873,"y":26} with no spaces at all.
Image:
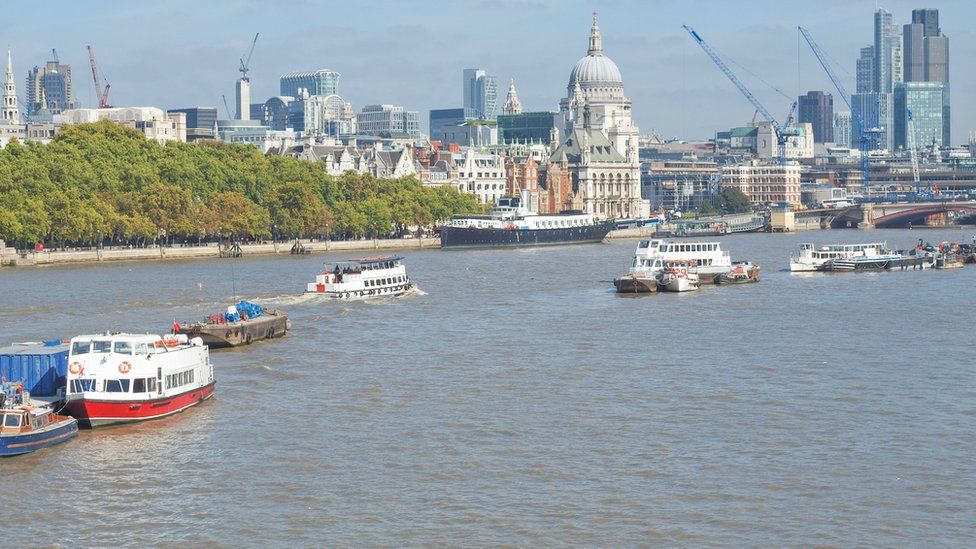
{"x":125,"y":367}
{"x":76,"y":368}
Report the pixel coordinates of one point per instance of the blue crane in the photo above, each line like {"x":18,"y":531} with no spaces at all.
{"x":781,"y":132}
{"x":860,"y":127}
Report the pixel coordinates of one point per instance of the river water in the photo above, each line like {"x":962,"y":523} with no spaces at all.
{"x":518,"y":400}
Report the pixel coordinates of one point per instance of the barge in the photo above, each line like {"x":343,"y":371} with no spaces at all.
{"x":242,"y":324}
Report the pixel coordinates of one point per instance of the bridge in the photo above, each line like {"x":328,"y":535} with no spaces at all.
{"x":896,"y":214}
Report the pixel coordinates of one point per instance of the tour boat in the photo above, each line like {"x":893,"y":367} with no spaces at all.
{"x":742,"y":272}
{"x":679,"y":278}
{"x":26,"y":426}
{"x":513,"y":224}
{"x":811,"y":259}
{"x":120,"y":378}
{"x":365,"y":278}
{"x":242,"y":324}
{"x":708,"y":258}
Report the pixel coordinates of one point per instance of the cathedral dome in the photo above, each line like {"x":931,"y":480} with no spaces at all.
{"x":595,"y":68}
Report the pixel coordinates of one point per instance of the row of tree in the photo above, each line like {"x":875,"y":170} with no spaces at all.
{"x":104,"y":182}
{"x":730,"y":201}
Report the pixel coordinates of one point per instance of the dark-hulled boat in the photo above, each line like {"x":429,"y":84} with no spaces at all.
{"x":242,"y":324}
{"x":26,"y":427}
{"x":512,"y":225}
{"x":634,"y":283}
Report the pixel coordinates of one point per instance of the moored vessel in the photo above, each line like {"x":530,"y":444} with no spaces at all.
{"x":26,"y":426}
{"x":121,"y":378}
{"x":636,"y":283}
{"x":742,"y":272}
{"x":512,"y":224}
{"x":810,"y":258}
{"x":242,"y":324}
{"x":370,"y":277}
{"x":679,"y":278}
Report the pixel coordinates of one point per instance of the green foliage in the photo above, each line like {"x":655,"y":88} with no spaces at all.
{"x":106,"y":182}
{"x":732,"y":200}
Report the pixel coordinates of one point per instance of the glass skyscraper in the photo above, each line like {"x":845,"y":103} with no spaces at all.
{"x":480,"y":94}
{"x":320,"y":82}
{"x":927,"y":103}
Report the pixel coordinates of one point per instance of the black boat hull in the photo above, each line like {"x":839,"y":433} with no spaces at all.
{"x":467,"y":237}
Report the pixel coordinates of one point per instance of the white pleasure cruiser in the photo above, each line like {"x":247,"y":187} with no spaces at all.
{"x":655,"y":256}
{"x":811,"y":258}
{"x":364,"y":278}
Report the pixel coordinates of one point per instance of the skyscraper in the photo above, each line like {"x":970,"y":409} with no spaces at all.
{"x":817,"y":108}
{"x":49,"y":87}
{"x":865,"y":70}
{"x":843,"y":129}
{"x":926,"y":48}
{"x":887,"y":53}
{"x":927,"y":105}
{"x":480,"y":94}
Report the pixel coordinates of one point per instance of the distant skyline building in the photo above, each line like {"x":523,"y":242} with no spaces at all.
{"x":198,"y":117}
{"x":817,"y":108}
{"x":49,"y":88}
{"x":388,"y":121}
{"x":865,"y":70}
{"x":480,"y":94}
{"x":10,"y":112}
{"x":887,"y":53}
{"x":512,"y":103}
{"x":843,"y":129}
{"x":926,"y":48}
{"x":928,"y":105}
{"x":441,"y":118}
{"x":527,"y":127}
{"x":876,"y":110}
{"x":320,"y":82}
{"x":243,"y":98}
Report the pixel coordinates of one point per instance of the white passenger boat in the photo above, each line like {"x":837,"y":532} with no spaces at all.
{"x":364,"y":278}
{"x":679,"y":278}
{"x":119,"y":378}
{"x":708,"y":258}
{"x":811,"y":258}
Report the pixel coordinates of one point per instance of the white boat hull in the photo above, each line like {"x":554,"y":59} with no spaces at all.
{"x":373,"y":293}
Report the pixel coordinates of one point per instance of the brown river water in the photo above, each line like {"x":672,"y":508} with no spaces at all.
{"x":517,"y":400}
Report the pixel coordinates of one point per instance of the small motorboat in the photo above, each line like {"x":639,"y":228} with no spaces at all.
{"x":679,"y":279}
{"x":742,"y":272}
{"x":26,"y":426}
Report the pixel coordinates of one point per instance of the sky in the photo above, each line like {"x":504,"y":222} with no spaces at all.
{"x":181,"y":53}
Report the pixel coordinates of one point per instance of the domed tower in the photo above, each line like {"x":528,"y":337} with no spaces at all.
{"x":597,"y":79}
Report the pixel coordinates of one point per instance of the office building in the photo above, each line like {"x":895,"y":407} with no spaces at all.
{"x":926,"y":48}
{"x":865,"y":71}
{"x":843,"y":129}
{"x":527,"y":127}
{"x":388,"y":121}
{"x":764,"y":183}
{"x":154,"y":123}
{"x":198,"y":117}
{"x":887,"y":53}
{"x":480,"y":94}
{"x":49,"y":88}
{"x":817,"y":108}
{"x":926,"y":104}
{"x":876,"y":111}
{"x":439,"y":118}
{"x":320,"y":82}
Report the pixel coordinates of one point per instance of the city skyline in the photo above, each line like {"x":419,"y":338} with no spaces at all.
{"x":675,"y":88}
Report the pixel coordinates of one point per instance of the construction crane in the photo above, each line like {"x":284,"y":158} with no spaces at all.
{"x":54,"y":52}
{"x":913,"y":152}
{"x":100,"y":93}
{"x":781,"y":130}
{"x":227,"y":108}
{"x":860,"y":126}
{"x":246,"y":61}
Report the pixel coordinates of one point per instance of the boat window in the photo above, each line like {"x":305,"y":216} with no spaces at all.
{"x":80,"y":347}
{"x":11,"y":420}
{"x":142,"y":349}
{"x":116,"y":385}
{"x":123,"y":348}
{"x":139,"y":385}
{"x":101,"y":346}
{"x":82,"y":385}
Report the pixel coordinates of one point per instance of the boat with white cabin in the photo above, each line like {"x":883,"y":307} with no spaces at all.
{"x":811,"y":259}
{"x":27,"y":425}
{"x":120,"y":378}
{"x":370,"y":277}
{"x":679,"y":278}
{"x":708,"y":258}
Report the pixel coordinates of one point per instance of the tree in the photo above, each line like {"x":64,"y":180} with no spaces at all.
{"x":237,"y":215}
{"x":296,"y":210}
{"x":733,"y":200}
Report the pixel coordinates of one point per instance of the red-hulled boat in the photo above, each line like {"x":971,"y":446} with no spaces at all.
{"x":120,"y":378}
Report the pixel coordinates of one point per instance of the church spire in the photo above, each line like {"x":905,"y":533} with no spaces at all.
{"x":596,"y":42}
{"x":512,"y":103}
{"x":10,"y":111}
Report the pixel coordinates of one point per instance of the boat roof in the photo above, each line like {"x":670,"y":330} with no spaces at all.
{"x":33,"y":349}
{"x":375,"y":259}
{"x":134,"y":338}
